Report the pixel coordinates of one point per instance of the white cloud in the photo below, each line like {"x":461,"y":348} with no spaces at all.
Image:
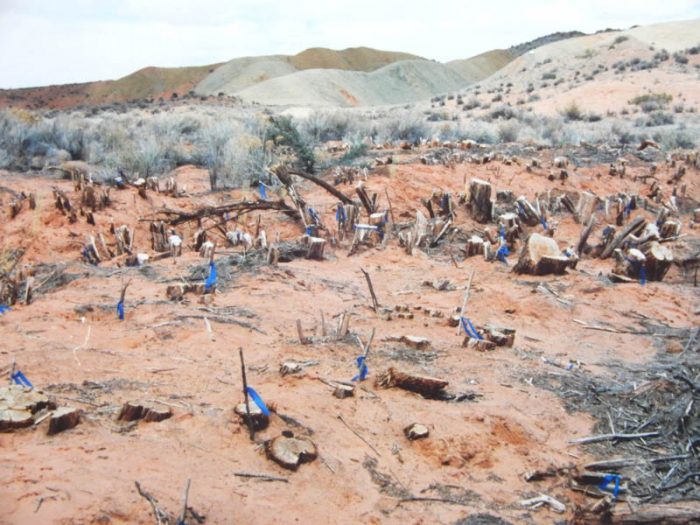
{"x":44,"y":41}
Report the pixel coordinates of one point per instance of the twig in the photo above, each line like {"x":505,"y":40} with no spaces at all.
{"x":612,"y":437}
{"x":262,"y":477}
{"x":466,"y":299}
{"x":185,"y":496}
{"x":162,"y":517}
{"x":249,"y":420}
{"x":439,"y":500}
{"x":375,"y":303}
{"x":358,"y":435}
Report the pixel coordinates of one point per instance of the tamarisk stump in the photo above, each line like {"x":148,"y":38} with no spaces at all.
{"x":428,"y":387}
{"x":343,"y":390}
{"x":289,"y":451}
{"x":416,"y":431}
{"x":658,"y":261}
{"x":412,"y":341}
{"x":541,"y":256}
{"x":316,"y":246}
{"x":134,"y":411}
{"x":62,"y":419}
{"x":18,"y":406}
{"x":480,"y":200}
{"x":670,"y":228}
{"x":527,"y":211}
{"x":480,"y":345}
{"x":259,"y":420}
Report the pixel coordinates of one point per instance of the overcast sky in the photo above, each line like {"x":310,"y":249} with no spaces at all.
{"x":61,"y":41}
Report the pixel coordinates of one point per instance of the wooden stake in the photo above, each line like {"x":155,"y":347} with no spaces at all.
{"x":249,"y":420}
{"x":466,"y":298}
{"x":185,"y":496}
{"x":323,"y":325}
{"x":302,"y":339}
{"x":375,"y":303}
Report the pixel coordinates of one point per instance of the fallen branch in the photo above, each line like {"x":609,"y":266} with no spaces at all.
{"x":262,"y":477}
{"x":612,"y":437}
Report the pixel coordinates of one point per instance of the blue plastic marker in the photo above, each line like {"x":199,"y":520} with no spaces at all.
{"x":258,"y":401}
{"x":120,"y":310}
{"x":362,"y":367}
{"x":20,"y":379}
{"x":211,"y":279}
{"x":263,"y":193}
{"x":502,"y":253}
{"x":469,"y":329}
{"x":4,"y":309}
{"x":609,"y":478}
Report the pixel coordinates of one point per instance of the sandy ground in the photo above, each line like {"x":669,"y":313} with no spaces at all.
{"x":476,"y":453}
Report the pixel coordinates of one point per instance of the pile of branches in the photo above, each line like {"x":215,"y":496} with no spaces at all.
{"x":648,"y":429}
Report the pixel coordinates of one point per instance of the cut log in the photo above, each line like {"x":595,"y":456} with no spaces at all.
{"x":527,"y":212}
{"x":541,"y":256}
{"x":587,"y":205}
{"x":62,"y":419}
{"x":290,"y":452}
{"x":475,"y":246}
{"x":412,"y":341}
{"x":677,"y":513}
{"x":428,"y":387}
{"x":260,"y":420}
{"x":20,"y":398}
{"x":480,"y":200}
{"x":658,"y":261}
{"x":633,"y":227}
{"x":416,"y":431}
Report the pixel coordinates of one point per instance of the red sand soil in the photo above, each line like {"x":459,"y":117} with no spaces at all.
{"x":480,"y":449}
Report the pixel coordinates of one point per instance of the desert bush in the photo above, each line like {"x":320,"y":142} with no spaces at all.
{"x":652,"y":101}
{"x":693,"y":50}
{"x":677,"y":138}
{"x":285,"y":132}
{"x":572,"y":112}
{"x":322,"y":126}
{"x":661,"y":56}
{"x":551,"y":75}
{"x":501,"y":112}
{"x":410,"y":128}
{"x":680,"y":58}
{"x":472,"y":104}
{"x":620,"y":39}
{"x":658,"y":118}
{"x":508,"y":132}
{"x":479,"y":131}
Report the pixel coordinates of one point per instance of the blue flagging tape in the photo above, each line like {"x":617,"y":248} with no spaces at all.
{"x":120,"y":310}
{"x":362,"y":367}
{"x":609,"y":478}
{"x":340,"y":214}
{"x":608,"y":230}
{"x":263,"y":193}
{"x":502,"y":233}
{"x":310,"y":231}
{"x":628,"y":208}
{"x":469,"y":329}
{"x":445,"y":203}
{"x":314,"y":215}
{"x":4,"y":309}
{"x":211,"y":279}
{"x":502,"y":253}
{"x":258,"y":400}
{"x":543,"y":221}
{"x":642,"y":275}
{"x":20,"y":379}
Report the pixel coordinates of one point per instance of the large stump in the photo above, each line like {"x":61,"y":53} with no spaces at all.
{"x":62,"y":419}
{"x":480,"y":200}
{"x":289,"y":451}
{"x":658,"y":261}
{"x":541,"y":256}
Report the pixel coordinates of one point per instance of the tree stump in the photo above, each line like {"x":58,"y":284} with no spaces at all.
{"x":480,"y":345}
{"x":135,"y":411}
{"x":527,"y":212}
{"x":428,"y":387}
{"x":343,"y":390}
{"x":541,"y":256}
{"x":480,"y":200}
{"x":416,"y":431}
{"x":289,"y":451}
{"x":62,"y":419}
{"x":260,"y":420}
{"x":658,"y":261}
{"x":670,"y":228}
{"x":475,"y":246}
{"x":315,"y":248}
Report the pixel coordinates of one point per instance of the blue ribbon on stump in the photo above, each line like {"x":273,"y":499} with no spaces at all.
{"x":263,"y":193}
{"x":120,"y":310}
{"x":362,"y":367}
{"x":4,"y":309}
{"x":258,"y":400}
{"x":609,"y":478}
{"x":469,"y":329}
{"x":543,"y":221}
{"x":502,"y":253}
{"x":340,"y":214}
{"x":211,"y":279}
{"x":20,"y":379}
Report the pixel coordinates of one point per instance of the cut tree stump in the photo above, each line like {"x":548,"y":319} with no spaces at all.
{"x":541,"y":256}
{"x":416,"y":431}
{"x":289,"y":451}
{"x":670,"y":228}
{"x":500,"y":336}
{"x":12,"y":419}
{"x":18,"y":406}
{"x":633,"y":227}
{"x":428,"y":387}
{"x":480,"y":200}
{"x":316,"y":246}
{"x":412,"y":341}
{"x":658,"y":261}
{"x":260,"y":420}
{"x":480,"y":345}
{"x":343,"y":390}
{"x":527,"y":211}
{"x":62,"y":419}
{"x":134,"y":411}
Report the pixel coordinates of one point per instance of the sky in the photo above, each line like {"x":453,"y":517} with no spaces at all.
{"x":62,"y":41}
